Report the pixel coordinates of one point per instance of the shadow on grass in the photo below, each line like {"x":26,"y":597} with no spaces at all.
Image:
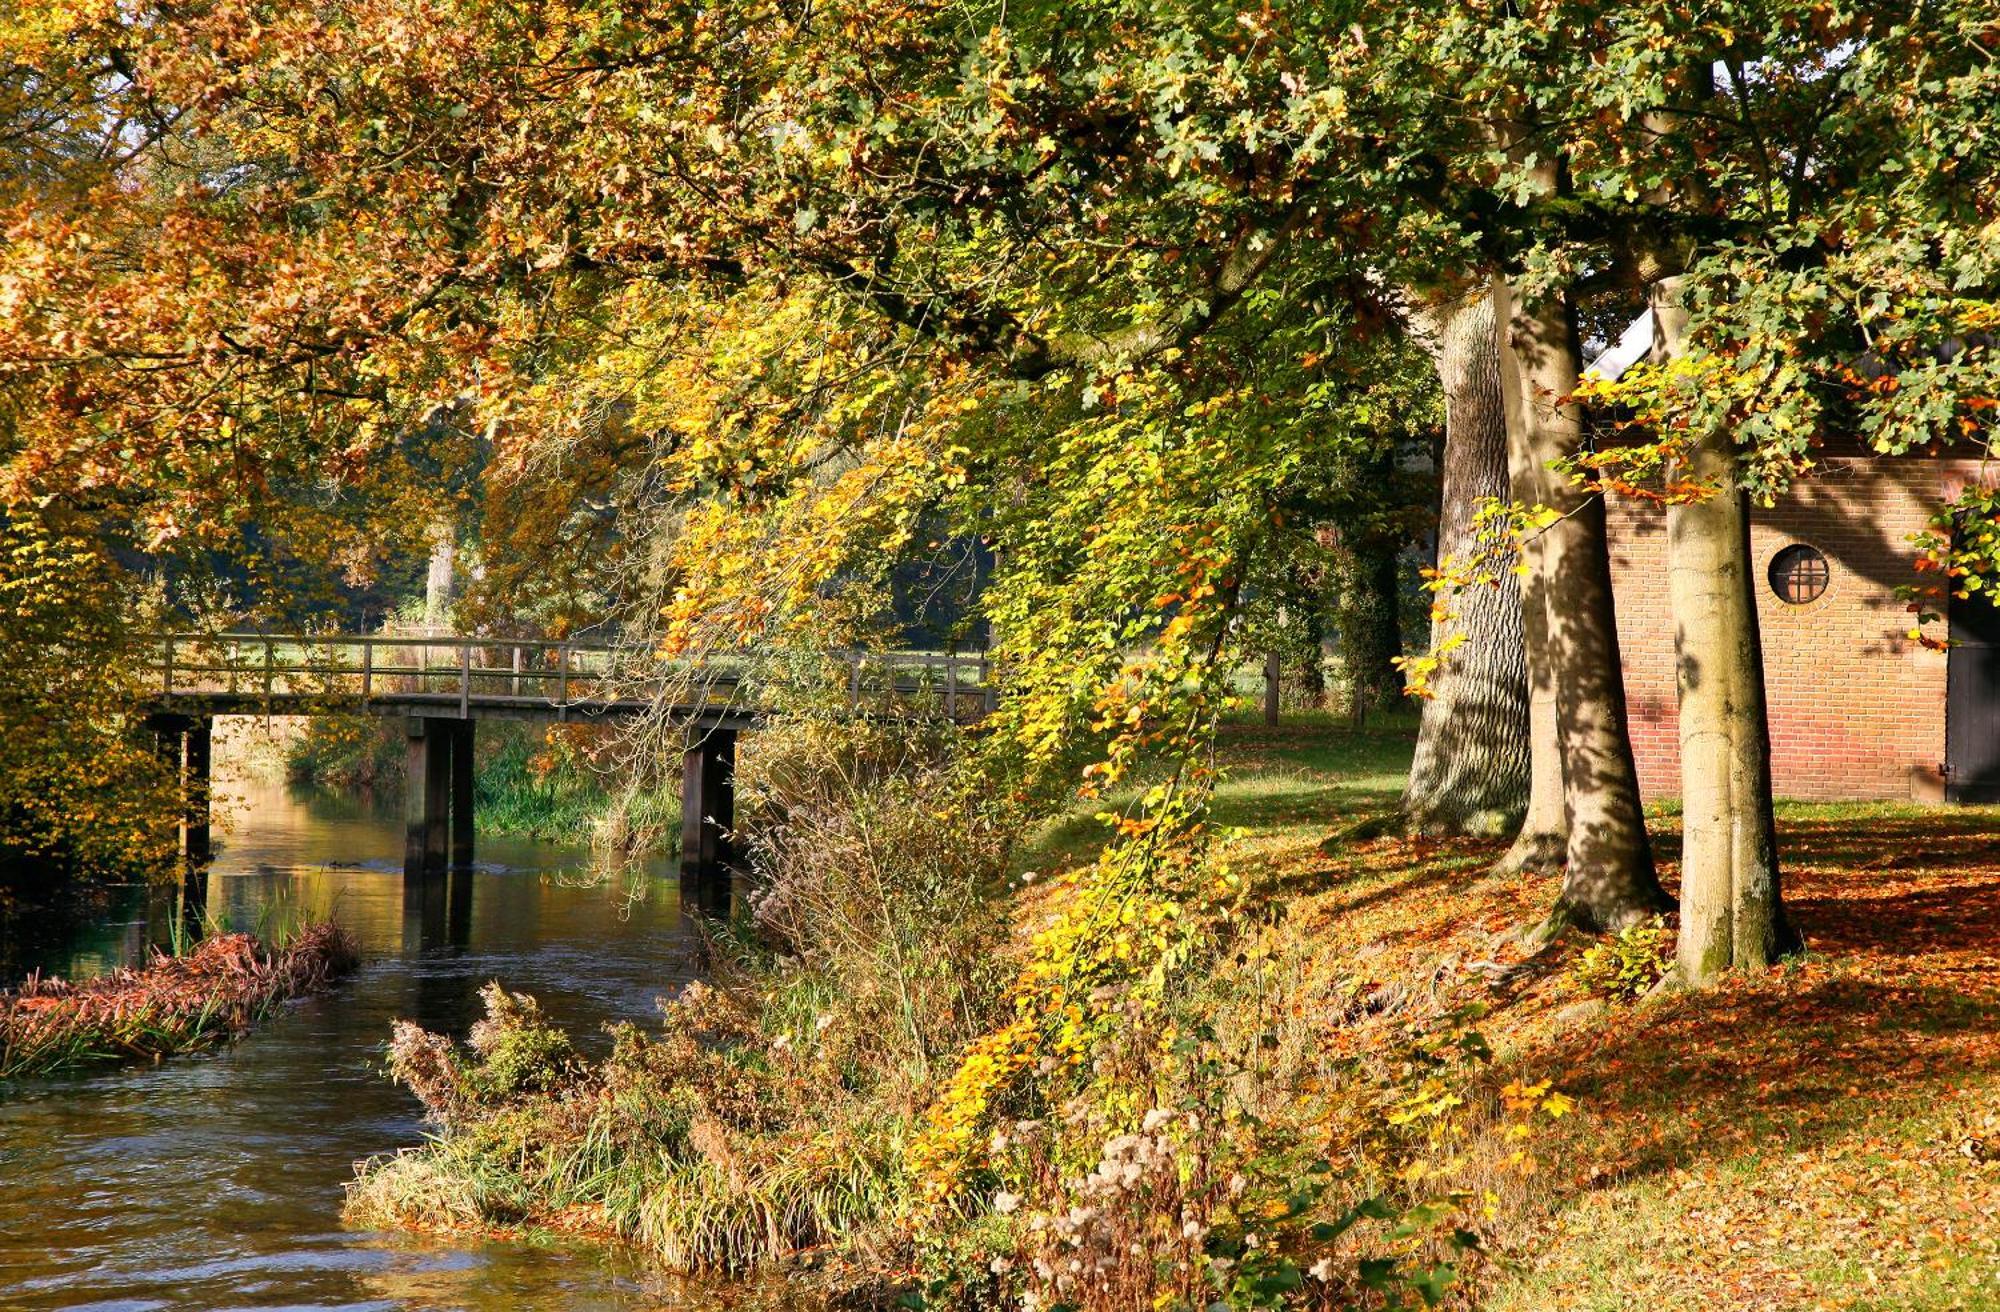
{"x":1895,"y":1004}
{"x":1452,"y":867}
{"x":1779,"y":1070}
{"x":1891,"y":839}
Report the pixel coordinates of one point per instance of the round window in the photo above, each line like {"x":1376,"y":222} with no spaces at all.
{"x":1799,"y":574}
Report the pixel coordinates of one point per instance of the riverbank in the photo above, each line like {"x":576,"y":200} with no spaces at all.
{"x":215,"y":990}
{"x":1360,"y":1040}
{"x":213,"y":1180}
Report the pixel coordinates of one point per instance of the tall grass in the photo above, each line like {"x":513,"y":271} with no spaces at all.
{"x":213,"y":991}
{"x":529,"y":785}
{"x":688,"y":1142}
{"x":771,"y":1109}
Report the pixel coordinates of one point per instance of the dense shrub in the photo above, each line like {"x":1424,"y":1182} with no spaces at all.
{"x":1624,"y":965}
{"x":872,"y":874}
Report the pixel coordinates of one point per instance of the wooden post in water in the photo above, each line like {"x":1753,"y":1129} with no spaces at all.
{"x":708,"y":812}
{"x":461,"y":794}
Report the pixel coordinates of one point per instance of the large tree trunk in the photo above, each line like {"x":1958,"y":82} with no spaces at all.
{"x":1608,"y":880}
{"x":1471,"y":771}
{"x":1542,"y":842}
{"x":1732,"y":914}
{"x":440,"y":579}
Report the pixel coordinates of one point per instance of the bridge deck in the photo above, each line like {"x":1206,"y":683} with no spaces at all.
{"x":510,"y":678}
{"x":442,"y":684}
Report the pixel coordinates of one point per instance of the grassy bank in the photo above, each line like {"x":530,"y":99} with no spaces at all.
{"x":769,"y":1112}
{"x":1373,"y":1093}
{"x":1825,"y":1135}
{"x":215,"y":990}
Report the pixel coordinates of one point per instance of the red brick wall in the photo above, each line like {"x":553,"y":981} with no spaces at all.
{"x":1857,"y":710}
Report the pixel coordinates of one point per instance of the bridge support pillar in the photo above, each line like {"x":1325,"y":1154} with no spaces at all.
{"x":437,"y":747}
{"x":708,"y":812}
{"x":461,"y":793}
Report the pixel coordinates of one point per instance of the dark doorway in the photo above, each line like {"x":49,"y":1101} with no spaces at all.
{"x":1972,"y":702}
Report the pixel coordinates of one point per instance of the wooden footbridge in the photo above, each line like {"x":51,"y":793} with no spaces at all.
{"x":442,"y":686}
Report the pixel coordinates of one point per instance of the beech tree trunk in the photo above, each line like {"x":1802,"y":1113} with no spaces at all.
{"x":1732,"y":913}
{"x":1608,"y":879}
{"x":1542,"y":842}
{"x":1471,"y":772}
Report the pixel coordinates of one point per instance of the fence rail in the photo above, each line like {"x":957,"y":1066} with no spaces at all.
{"x":308,"y":673}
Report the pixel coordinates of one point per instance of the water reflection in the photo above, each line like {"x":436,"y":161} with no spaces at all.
{"x":215,"y":1182}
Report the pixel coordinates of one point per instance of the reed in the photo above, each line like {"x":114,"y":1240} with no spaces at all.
{"x":688,"y":1143}
{"x":214,"y":990}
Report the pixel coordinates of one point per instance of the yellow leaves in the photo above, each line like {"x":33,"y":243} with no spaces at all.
{"x":1526,"y":1099}
{"x":1119,"y":925}
{"x":1432,"y":1100}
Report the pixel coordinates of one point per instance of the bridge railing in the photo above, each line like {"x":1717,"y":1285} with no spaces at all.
{"x":460,"y":674}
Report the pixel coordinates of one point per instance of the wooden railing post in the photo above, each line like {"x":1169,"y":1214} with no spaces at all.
{"x":562,"y":681}
{"x":951,"y":685}
{"x":367,"y":670}
{"x":167,"y":679}
{"x":270,"y":666}
{"x":515,"y":687}
{"x":465,"y":679}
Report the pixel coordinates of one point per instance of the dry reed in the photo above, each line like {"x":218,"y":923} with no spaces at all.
{"x":174,"y":1004}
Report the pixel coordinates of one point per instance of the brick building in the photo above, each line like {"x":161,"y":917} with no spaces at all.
{"x":1857,"y":709}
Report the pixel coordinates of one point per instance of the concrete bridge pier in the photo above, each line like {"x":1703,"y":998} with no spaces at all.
{"x":437,"y":795}
{"x":708,"y":813}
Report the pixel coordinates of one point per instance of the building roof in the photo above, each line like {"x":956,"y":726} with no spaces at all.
{"x":1631,"y":347}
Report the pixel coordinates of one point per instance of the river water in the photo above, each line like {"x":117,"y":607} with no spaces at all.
{"x":215,"y":1181}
